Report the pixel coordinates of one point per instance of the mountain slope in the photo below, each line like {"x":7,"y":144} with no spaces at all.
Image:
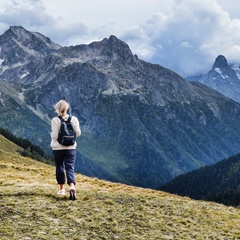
{"x":142,"y":124}
{"x":30,"y":209}
{"x":17,"y":117}
{"x":213,"y":182}
{"x":8,"y":146}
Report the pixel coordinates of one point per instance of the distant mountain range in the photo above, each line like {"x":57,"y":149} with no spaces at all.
{"x":142,"y":124}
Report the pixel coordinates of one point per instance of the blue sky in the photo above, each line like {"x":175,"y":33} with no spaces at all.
{"x":185,"y":36}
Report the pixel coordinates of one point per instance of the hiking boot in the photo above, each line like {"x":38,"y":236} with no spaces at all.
{"x":72,"y":194}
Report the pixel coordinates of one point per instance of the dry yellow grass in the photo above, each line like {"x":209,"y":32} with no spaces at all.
{"x":31,"y":209}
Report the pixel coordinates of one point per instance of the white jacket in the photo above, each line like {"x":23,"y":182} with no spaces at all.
{"x":55,"y":127}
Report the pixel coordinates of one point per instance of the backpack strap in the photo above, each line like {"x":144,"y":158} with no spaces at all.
{"x":61,"y":118}
{"x":68,"y":120}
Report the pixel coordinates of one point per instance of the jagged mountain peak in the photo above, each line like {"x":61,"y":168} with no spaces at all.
{"x":18,"y":30}
{"x":15,"y":33}
{"x":18,"y":33}
{"x":117,"y":48}
{"x":23,"y":35}
{"x":223,"y":78}
{"x":114,"y":41}
{"x":220,"y":62}
{"x":19,"y":45}
{"x":113,"y":49}
{"x":102,"y":53}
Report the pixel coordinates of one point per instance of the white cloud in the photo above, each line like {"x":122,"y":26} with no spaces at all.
{"x":191,"y":36}
{"x":231,"y":7}
{"x":183,"y":35}
{"x":186,"y":44}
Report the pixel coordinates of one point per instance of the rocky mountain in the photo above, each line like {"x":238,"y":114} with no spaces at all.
{"x":142,"y":124}
{"x":224,"y":78}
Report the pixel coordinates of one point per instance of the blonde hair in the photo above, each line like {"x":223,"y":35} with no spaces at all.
{"x":61,"y":107}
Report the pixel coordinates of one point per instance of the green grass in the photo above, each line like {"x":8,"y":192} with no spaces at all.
{"x":8,"y":146}
{"x":31,"y":209}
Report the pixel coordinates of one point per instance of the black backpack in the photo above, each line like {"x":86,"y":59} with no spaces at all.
{"x":66,"y":135}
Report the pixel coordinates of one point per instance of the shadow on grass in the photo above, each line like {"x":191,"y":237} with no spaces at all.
{"x":24,"y":194}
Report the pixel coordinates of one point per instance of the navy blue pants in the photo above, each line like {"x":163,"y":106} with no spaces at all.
{"x":65,"y":162}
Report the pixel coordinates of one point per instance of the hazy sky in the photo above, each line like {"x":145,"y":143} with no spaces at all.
{"x":185,"y":36}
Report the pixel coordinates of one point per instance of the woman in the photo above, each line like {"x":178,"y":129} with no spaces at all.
{"x":64,"y":156}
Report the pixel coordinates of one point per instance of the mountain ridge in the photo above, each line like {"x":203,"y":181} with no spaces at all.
{"x":142,"y":124}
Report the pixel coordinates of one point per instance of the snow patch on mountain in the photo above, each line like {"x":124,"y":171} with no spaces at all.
{"x":236,"y":68}
{"x":218,"y":70}
{"x":24,"y":75}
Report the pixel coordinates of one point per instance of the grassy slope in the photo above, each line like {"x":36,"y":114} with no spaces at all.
{"x":8,"y":146}
{"x":30,"y":209}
